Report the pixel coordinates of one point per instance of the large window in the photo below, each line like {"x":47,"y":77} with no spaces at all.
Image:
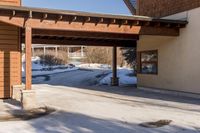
{"x":149,"y":62}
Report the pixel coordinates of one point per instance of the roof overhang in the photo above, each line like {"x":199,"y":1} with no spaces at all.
{"x":55,"y":24}
{"x":130,"y":6}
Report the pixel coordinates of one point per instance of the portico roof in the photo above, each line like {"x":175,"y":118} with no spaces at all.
{"x":73,"y":27}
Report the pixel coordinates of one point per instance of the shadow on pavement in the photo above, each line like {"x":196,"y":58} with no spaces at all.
{"x":87,"y":79}
{"x":61,"y":122}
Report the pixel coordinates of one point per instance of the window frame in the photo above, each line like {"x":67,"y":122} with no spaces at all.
{"x":148,"y":62}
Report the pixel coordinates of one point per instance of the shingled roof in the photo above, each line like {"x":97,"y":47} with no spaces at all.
{"x":131,"y":4}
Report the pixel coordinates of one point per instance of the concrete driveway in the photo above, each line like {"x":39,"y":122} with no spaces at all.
{"x":83,"y":107}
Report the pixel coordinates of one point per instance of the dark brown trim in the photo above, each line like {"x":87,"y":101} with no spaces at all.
{"x":130,"y":7}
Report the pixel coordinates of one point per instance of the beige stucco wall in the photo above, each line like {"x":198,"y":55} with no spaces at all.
{"x":178,"y":58}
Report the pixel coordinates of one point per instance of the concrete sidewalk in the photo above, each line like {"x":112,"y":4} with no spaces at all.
{"x":86,"y":108}
{"x":83,"y":110}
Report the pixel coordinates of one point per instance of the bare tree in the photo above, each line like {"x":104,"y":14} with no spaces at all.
{"x":102,"y":55}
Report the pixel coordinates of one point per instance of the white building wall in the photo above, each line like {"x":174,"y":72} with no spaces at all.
{"x":178,"y":57}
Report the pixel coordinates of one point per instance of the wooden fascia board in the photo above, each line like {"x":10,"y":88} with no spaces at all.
{"x":88,"y":27}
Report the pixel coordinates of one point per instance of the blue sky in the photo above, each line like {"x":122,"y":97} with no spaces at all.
{"x":98,"y":6}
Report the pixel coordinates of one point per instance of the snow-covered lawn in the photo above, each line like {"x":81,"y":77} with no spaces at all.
{"x":39,"y":69}
{"x":125,"y":75}
{"x":95,"y":66}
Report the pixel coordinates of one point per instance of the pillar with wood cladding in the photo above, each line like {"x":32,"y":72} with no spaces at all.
{"x":28,"y":53}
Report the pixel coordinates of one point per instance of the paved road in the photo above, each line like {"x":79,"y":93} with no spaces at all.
{"x":82,"y":77}
{"x":83,"y":107}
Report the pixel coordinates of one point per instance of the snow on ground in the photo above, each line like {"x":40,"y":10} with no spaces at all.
{"x":39,"y":69}
{"x":85,"y":108}
{"x":103,"y":109}
{"x":125,"y":74}
{"x":125,"y":78}
{"x":95,"y":66}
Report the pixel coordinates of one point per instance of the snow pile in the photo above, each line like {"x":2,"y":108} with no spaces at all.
{"x":39,"y":69}
{"x":125,"y":78}
{"x":95,"y":66}
{"x":125,"y":75}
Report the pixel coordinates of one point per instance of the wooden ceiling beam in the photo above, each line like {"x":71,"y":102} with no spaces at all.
{"x":145,"y":30}
{"x":135,"y":23}
{"x":88,"y":19}
{"x":45,"y":16}
{"x":30,"y":14}
{"x":89,"y":27}
{"x":85,"y":34}
{"x":101,"y":20}
{"x":13,"y":13}
{"x":73,"y":19}
{"x":83,"y":42}
{"x":60,"y":17}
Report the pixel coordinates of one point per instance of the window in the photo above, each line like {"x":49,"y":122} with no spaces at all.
{"x":149,"y":62}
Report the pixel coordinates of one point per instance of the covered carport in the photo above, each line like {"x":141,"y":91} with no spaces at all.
{"x":60,"y":27}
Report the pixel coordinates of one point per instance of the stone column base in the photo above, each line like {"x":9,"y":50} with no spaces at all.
{"x":115,"y":81}
{"x":16,"y":95}
{"x":28,"y":99}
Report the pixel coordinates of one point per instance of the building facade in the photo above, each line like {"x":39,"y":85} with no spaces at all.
{"x":170,"y":63}
{"x":10,"y":55}
{"x":48,"y":26}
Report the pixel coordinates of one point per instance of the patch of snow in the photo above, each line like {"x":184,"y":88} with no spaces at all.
{"x":125,"y":78}
{"x":39,"y":69}
{"x":95,"y":66}
{"x":125,"y":74}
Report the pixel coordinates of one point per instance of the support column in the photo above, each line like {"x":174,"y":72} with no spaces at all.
{"x":33,"y":51}
{"x":44,"y":50}
{"x":28,"y":97}
{"x":82,"y":51}
{"x":114,"y":79}
{"x":28,"y":43}
{"x":68,"y":51}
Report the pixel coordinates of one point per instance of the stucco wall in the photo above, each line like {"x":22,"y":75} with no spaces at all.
{"x":178,"y":58}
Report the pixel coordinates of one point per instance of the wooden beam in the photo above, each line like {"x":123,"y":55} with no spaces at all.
{"x":147,"y":23}
{"x":145,"y":30}
{"x":73,"y":19}
{"x":89,"y":27}
{"x":113,"y":21}
{"x":30,"y":14}
{"x":125,"y":22}
{"x":60,"y":17}
{"x":158,"y":24}
{"x":88,"y":19}
{"x":28,"y":43}
{"x":101,"y":20}
{"x":83,"y":42}
{"x":130,"y":6}
{"x":38,"y":32}
{"x":135,"y":23}
{"x":45,"y":16}
{"x":13,"y":13}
